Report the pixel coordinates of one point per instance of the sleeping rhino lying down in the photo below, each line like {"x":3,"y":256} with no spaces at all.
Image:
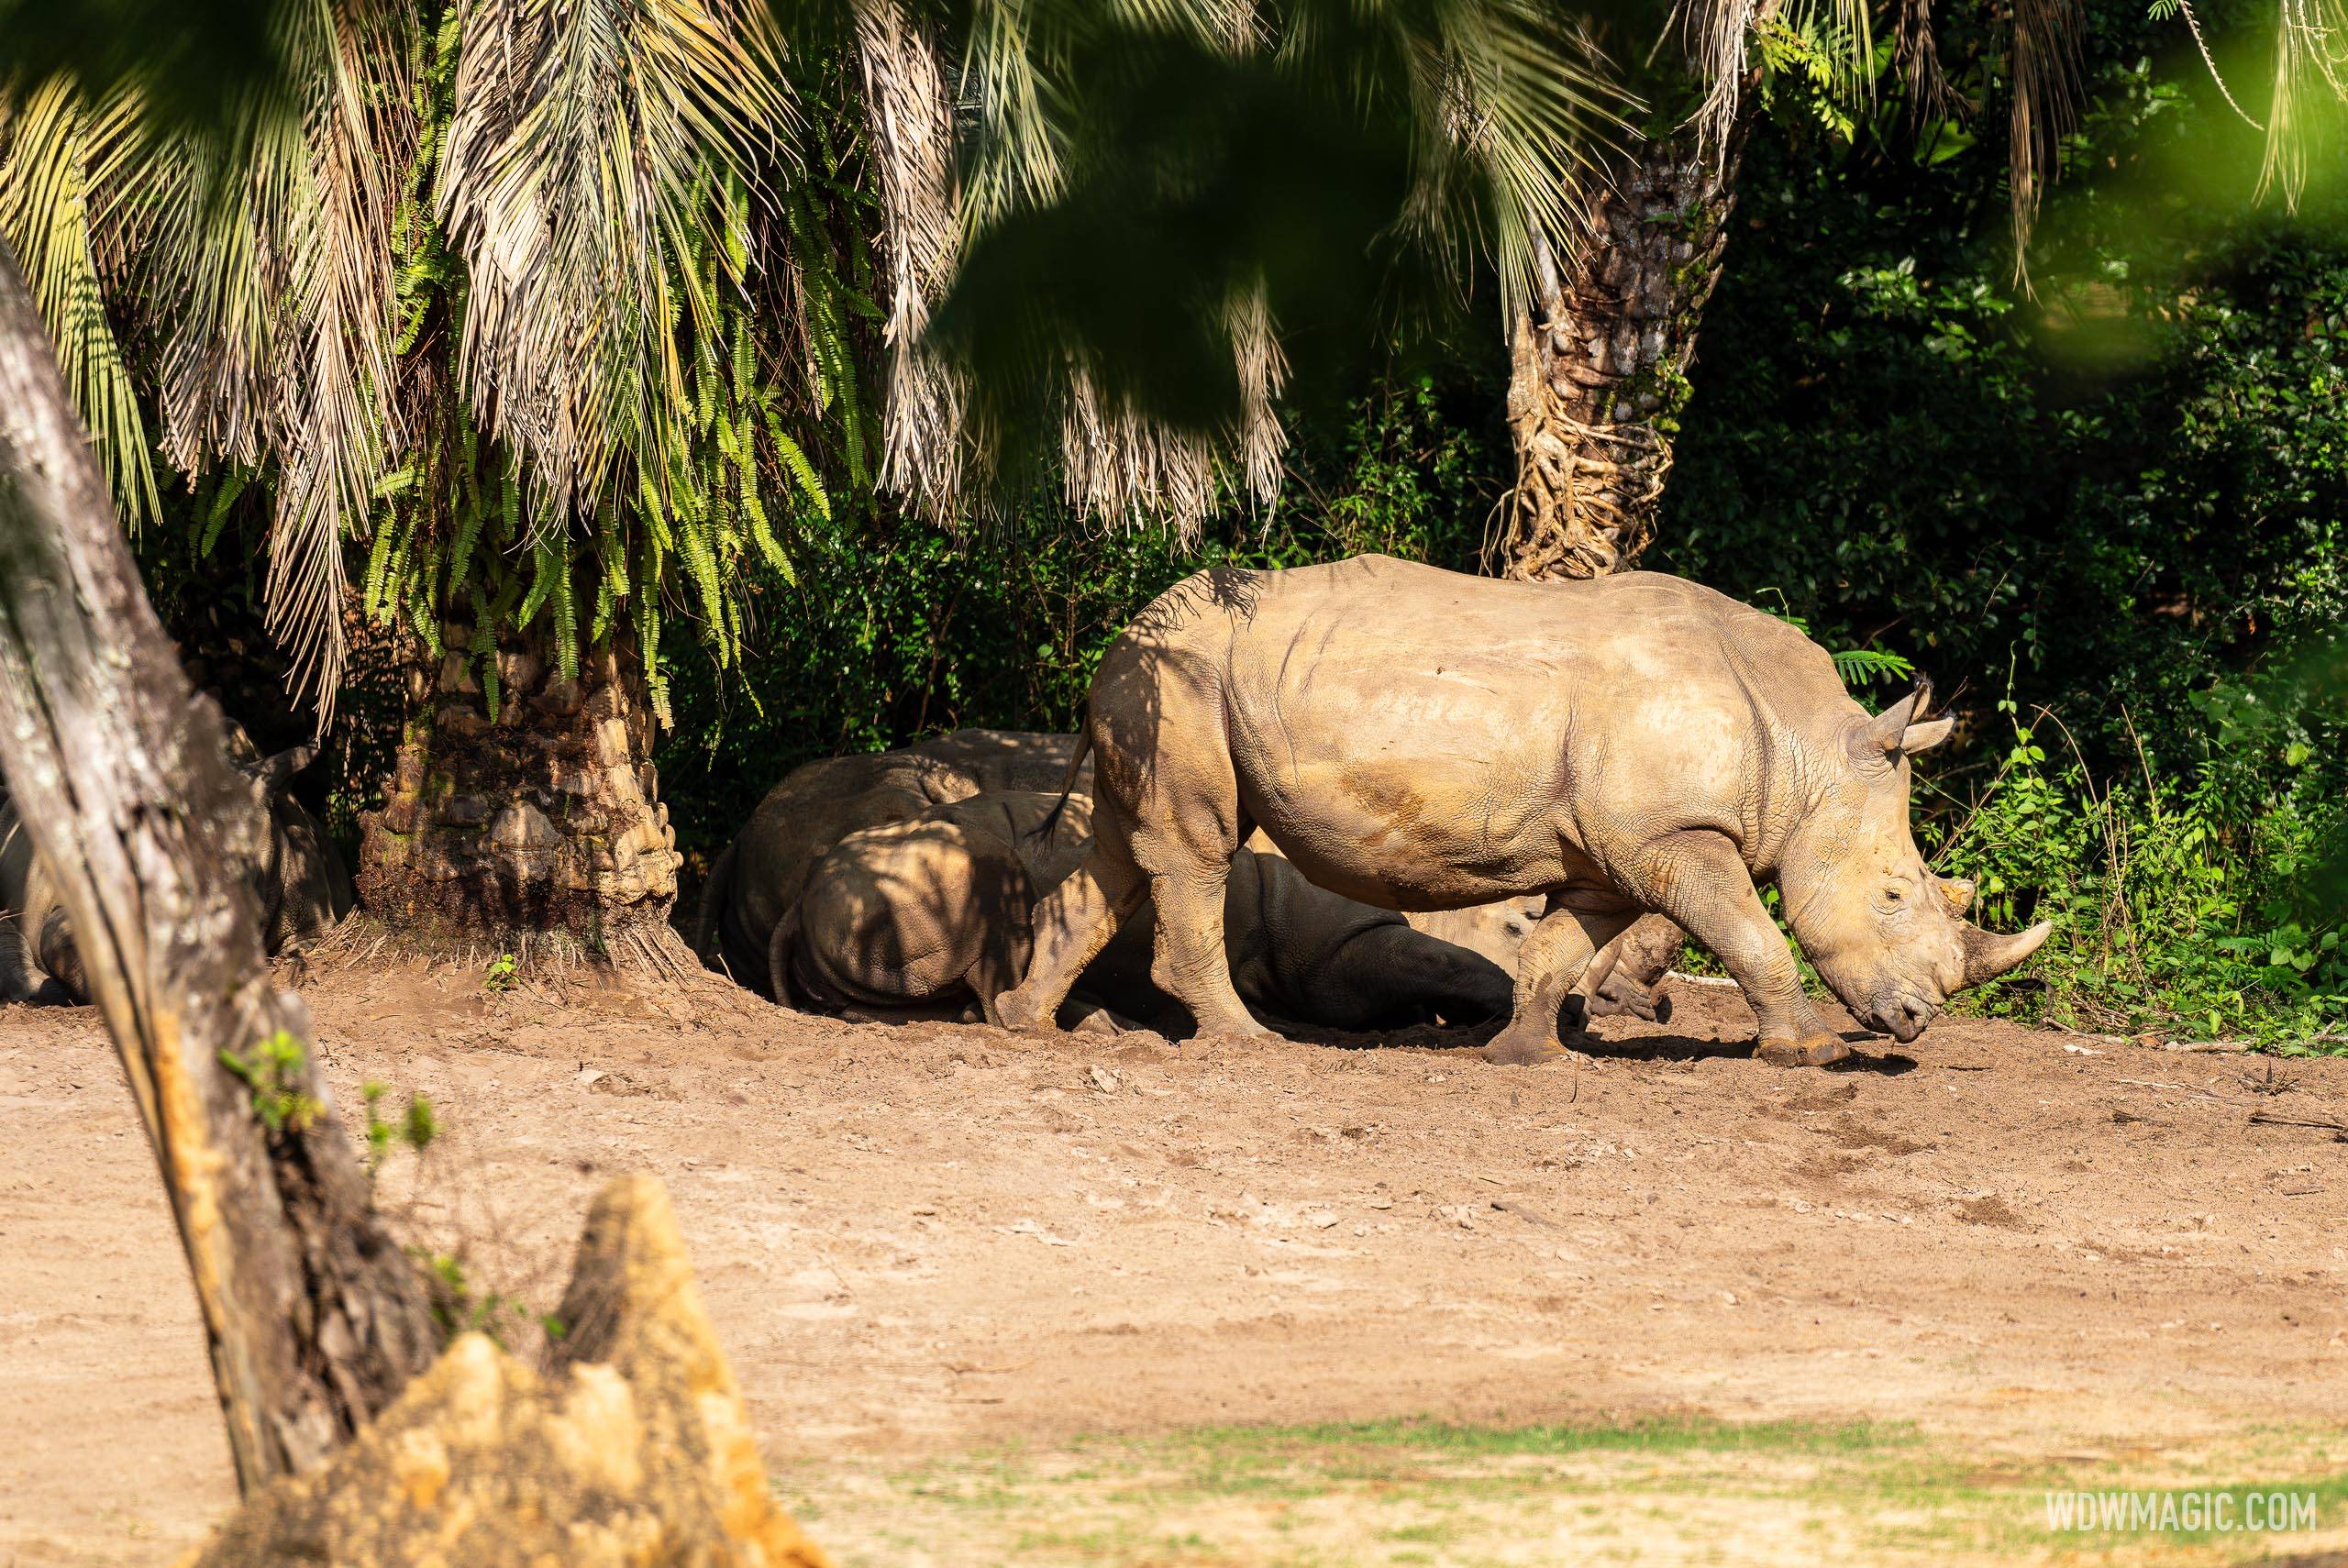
{"x":300,"y":886}
{"x":935,"y":910}
{"x":1625,"y":981}
{"x":1420,"y":739}
{"x":761,"y":874}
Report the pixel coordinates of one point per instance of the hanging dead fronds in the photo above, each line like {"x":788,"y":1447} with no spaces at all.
{"x":592,"y":140}
{"x":912,"y":121}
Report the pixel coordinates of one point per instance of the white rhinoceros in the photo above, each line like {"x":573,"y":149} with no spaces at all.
{"x":1420,"y":739}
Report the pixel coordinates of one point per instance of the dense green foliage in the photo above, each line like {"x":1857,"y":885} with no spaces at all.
{"x":2102,"y":519}
{"x":2105,"y":519}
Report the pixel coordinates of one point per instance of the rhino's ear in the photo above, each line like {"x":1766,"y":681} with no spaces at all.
{"x":270,"y":778}
{"x":1896,"y":730}
{"x":1924,"y":737}
{"x":1881,"y":736}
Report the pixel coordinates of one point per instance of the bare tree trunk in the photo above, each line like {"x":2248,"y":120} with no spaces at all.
{"x":527,"y":815}
{"x":1599,"y":377}
{"x":314,"y":1316}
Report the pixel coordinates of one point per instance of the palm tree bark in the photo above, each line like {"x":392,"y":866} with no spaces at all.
{"x":315,"y":1318}
{"x":528,"y":814}
{"x":1598,"y":370}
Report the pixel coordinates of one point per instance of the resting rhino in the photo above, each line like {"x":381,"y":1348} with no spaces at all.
{"x":760,"y":875}
{"x":935,"y":910}
{"x":1420,"y":739}
{"x":1624,"y":980}
{"x":301,"y":886}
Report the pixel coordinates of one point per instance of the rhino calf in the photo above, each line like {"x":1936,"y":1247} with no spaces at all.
{"x":300,"y":885}
{"x":935,"y":911}
{"x":758,"y":877}
{"x":1420,"y":739}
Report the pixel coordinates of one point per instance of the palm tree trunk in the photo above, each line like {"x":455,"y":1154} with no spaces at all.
{"x":526,"y":814}
{"x":1599,"y":376}
{"x":314,"y":1316}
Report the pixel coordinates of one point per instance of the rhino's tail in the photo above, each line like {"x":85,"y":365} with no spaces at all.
{"x":1050,"y":825}
{"x":799,"y":982}
{"x":709,"y":918}
{"x":782,"y":951}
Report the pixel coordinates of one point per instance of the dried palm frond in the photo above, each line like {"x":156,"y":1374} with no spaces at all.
{"x":2311,"y":87}
{"x":62,"y":162}
{"x":1717,"y":35}
{"x":591,"y":140}
{"x":1917,"y":53}
{"x":2045,"y":46}
{"x":1500,"y":105}
{"x":913,"y":136}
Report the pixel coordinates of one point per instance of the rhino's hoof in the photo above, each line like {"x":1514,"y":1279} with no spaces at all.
{"x":1524,"y":1050}
{"x":1815,"y":1052}
{"x":1016,"y":1011}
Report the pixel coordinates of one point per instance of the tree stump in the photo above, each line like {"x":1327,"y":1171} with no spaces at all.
{"x":633,"y":1451}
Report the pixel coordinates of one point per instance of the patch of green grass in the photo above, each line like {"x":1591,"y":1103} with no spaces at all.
{"x":1385,"y":1494}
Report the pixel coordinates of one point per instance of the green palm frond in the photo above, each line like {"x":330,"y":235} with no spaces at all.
{"x":268,"y":271}
{"x":578,"y":167}
{"x":336,"y":429}
{"x":60,"y":162}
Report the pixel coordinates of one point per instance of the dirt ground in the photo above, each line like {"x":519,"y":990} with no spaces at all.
{"x":919,"y":1240}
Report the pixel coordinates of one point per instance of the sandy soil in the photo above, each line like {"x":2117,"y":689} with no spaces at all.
{"x":918,"y":1239}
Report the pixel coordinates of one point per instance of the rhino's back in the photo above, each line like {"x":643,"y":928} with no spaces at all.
{"x":1007,"y":759}
{"x":1420,"y":738}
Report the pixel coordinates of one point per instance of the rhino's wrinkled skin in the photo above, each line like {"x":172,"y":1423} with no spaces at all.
{"x":762,"y":872}
{"x":1419,"y":739}
{"x":300,"y":887}
{"x":935,"y":912}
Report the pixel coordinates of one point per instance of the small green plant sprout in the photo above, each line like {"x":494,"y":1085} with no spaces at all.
{"x":1865,"y":666}
{"x":272,"y":1071}
{"x":463,"y":1308}
{"x":502,"y":972}
{"x":416,"y":1129}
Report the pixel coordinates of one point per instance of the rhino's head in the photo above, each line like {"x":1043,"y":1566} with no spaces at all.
{"x":297,"y":877}
{"x":1888,"y":935}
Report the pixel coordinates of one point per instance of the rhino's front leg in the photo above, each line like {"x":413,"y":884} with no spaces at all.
{"x":1072,"y":924}
{"x":1701,"y":881}
{"x":1549,"y":966}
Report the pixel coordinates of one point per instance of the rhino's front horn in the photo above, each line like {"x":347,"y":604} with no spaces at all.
{"x":1988,"y":955}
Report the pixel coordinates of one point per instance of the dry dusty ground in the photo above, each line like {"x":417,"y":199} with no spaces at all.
{"x":976,"y":1287}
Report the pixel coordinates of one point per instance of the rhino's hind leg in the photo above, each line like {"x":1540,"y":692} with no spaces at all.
{"x":1548,"y":966}
{"x":1072,"y":924}
{"x":1191,"y":963}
